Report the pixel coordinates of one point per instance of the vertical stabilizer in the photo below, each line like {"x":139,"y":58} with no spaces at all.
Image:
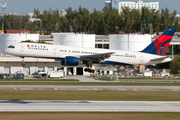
{"x":160,"y":45}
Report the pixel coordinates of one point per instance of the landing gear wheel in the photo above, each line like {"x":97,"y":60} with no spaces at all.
{"x":23,"y":64}
{"x":87,"y":69}
{"x":92,"y":71}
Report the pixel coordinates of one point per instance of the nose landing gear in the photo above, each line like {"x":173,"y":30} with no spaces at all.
{"x":23,"y":64}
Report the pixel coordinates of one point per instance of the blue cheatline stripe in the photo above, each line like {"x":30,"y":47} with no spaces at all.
{"x":162,"y":46}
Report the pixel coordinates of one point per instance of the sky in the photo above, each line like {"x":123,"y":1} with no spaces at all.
{"x":23,"y":6}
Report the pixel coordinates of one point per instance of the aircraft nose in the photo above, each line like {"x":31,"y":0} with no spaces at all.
{"x":6,"y":51}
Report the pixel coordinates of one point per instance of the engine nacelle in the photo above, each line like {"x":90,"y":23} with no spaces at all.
{"x":70,"y":61}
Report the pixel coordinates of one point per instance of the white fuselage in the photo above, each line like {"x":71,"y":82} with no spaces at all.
{"x":60,"y":51}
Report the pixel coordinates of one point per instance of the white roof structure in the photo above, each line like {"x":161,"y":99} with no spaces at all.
{"x":138,"y":5}
{"x":132,"y":5}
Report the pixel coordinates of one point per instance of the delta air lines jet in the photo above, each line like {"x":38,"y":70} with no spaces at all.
{"x":72,"y":56}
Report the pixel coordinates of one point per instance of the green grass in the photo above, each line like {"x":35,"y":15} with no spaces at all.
{"x":131,"y":82}
{"x":38,"y":80}
{"x":139,"y":78}
{"x":88,"y":83}
{"x":89,"y":116}
{"x":89,"y":95}
{"x":124,"y":81}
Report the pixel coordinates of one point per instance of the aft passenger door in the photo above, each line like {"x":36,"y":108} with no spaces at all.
{"x":55,"y":50}
{"x":142,"y":58}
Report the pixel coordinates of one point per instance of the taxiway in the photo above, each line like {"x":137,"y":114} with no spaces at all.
{"x":90,"y":106}
{"x":101,"y":88}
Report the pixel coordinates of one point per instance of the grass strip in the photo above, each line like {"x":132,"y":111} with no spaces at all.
{"x":89,"y":95}
{"x":146,"y":78}
{"x":38,"y":80}
{"x":88,"y":116}
{"x":87,"y":83}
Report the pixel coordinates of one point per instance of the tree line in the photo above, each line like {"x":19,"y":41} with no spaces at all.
{"x":107,"y":21}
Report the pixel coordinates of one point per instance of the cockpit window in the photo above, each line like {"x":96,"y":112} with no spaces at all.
{"x":11,"y":46}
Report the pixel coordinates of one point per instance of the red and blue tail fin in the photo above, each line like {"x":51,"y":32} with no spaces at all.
{"x":160,"y":45}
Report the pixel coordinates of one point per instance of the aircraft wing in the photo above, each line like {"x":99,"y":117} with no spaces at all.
{"x":161,"y":58}
{"x":96,"y":57}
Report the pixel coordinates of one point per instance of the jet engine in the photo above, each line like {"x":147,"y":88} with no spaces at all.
{"x":70,"y":61}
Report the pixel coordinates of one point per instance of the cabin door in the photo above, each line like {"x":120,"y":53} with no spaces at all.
{"x":142,"y":58}
{"x":22,"y":48}
{"x":55,"y":50}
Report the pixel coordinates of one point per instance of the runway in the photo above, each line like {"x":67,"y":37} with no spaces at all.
{"x":90,"y":106}
{"x":101,"y":88}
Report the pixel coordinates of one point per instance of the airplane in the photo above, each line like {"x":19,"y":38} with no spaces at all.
{"x":73,"y":56}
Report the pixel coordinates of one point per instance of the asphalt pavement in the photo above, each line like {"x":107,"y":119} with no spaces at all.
{"x":89,"y":106}
{"x":94,"y":87}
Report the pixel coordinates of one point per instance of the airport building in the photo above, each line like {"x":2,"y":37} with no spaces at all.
{"x":132,"y":5}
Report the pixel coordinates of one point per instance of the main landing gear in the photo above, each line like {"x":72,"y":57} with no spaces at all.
{"x":89,"y":70}
{"x":89,"y":66}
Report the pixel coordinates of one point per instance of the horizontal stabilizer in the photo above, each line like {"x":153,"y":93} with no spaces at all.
{"x":161,"y":58}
